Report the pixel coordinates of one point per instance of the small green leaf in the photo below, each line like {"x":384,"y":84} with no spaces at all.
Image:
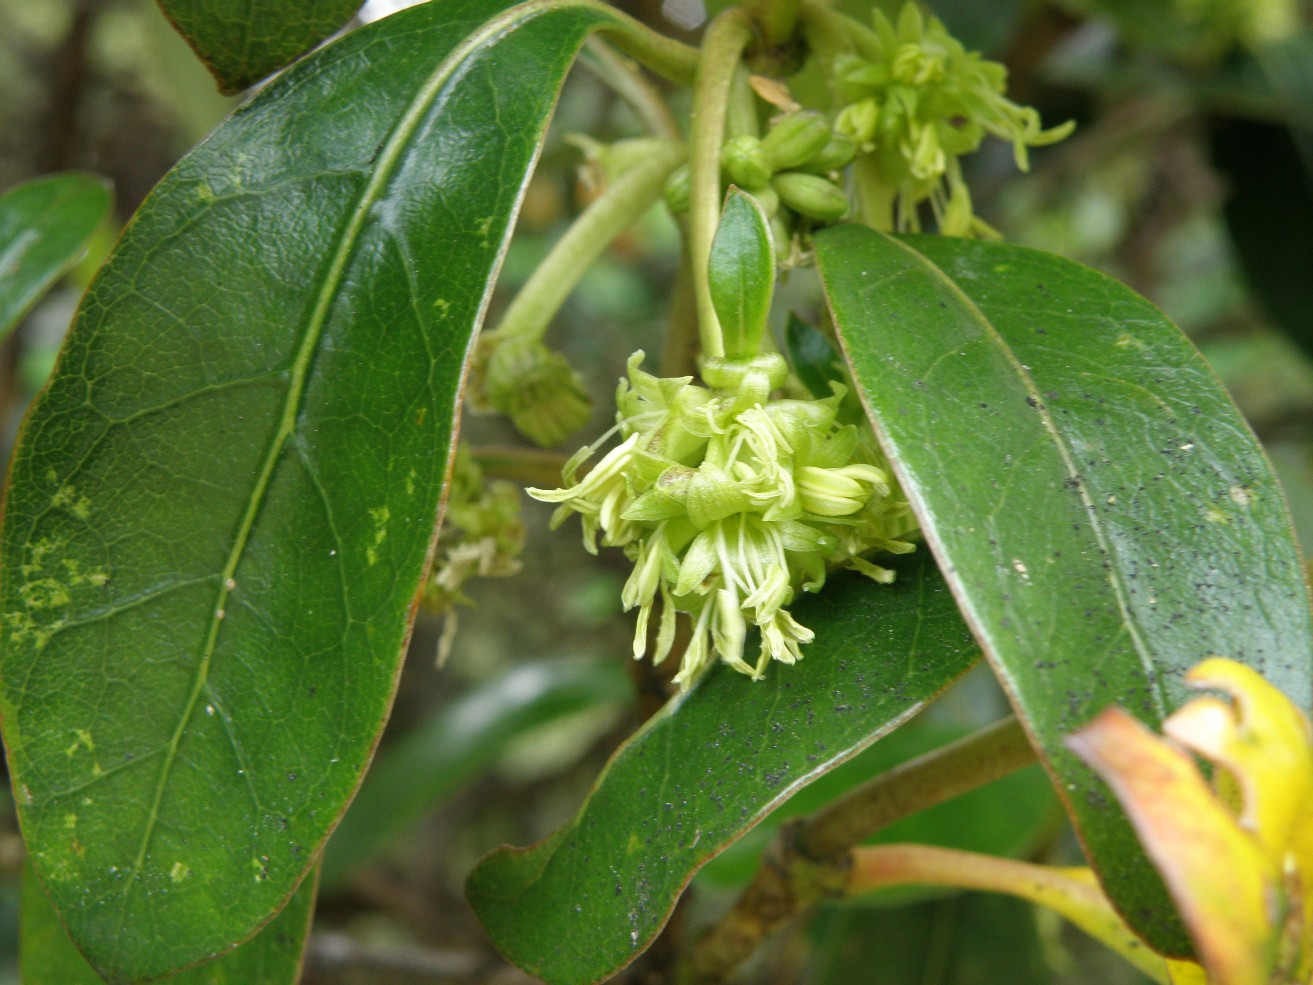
{"x":586,"y":901}
{"x":741,"y":272}
{"x":242,"y":41}
{"x":43,"y":227}
{"x":221,"y":508}
{"x":424,"y":767}
{"x":1104,"y":515}
{"x":272,"y":957}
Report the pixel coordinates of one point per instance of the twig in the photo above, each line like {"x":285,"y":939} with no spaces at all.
{"x":811,"y":859}
{"x":625,"y":79}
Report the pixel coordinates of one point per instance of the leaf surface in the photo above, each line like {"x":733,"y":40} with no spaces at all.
{"x":221,"y":509}
{"x":43,"y":226}
{"x":271,"y":957}
{"x":587,"y":900}
{"x":242,"y":41}
{"x":1102,"y":512}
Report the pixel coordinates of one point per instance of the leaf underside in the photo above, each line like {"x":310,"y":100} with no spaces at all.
{"x":586,"y":901}
{"x":1102,"y":512}
{"x":221,"y":508}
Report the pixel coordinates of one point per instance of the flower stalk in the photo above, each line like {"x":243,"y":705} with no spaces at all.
{"x":726,"y":38}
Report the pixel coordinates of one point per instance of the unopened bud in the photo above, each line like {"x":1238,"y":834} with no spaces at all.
{"x":745,"y":162}
{"x":796,"y":138}
{"x":811,"y":195}
{"x":839,"y":492}
{"x":837,"y":153}
{"x":768,"y":198}
{"x":858,"y":121}
{"x":537,"y":390}
{"x":677,"y":191}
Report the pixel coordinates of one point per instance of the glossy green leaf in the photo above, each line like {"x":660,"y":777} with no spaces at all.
{"x":587,"y":900}
{"x":43,"y":227}
{"x":431,"y":762}
{"x":271,"y":957}
{"x":242,"y":41}
{"x":1101,"y":510}
{"x":222,"y":507}
{"x":741,"y":274}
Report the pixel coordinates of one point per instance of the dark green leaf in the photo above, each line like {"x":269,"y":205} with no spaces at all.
{"x":427,"y":765}
{"x":222,"y":507}
{"x":586,"y":901}
{"x":741,"y":274}
{"x":43,"y":226}
{"x":271,"y":957}
{"x":815,"y":361}
{"x":1104,"y":516}
{"x":242,"y":41}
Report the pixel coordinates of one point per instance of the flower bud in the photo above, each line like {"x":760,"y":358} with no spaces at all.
{"x":677,"y":192}
{"x":839,"y":492}
{"x":768,"y":198}
{"x":745,"y":162}
{"x":537,"y":390}
{"x":858,"y":121}
{"x":811,"y":195}
{"x":796,"y":138}
{"x":837,"y":154}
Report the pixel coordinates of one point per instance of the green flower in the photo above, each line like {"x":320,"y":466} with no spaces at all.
{"x":915,"y":101}
{"x":730,"y":503}
{"x":481,"y":537}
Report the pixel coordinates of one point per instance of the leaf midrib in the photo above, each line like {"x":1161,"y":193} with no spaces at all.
{"x":385,"y":166}
{"x":1142,"y":650}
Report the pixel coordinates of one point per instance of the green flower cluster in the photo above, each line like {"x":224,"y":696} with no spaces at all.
{"x":482,"y":536}
{"x":729,"y":503}
{"x":914,"y":100}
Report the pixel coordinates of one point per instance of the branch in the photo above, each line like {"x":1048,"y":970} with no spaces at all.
{"x":811,"y":860}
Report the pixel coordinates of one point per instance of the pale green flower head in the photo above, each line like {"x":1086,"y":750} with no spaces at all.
{"x":915,"y":102}
{"x":730,"y":503}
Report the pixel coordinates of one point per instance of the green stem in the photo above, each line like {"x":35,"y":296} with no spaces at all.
{"x":825,"y":37}
{"x":1072,"y":892}
{"x":624,"y":78}
{"x":741,"y":109}
{"x":624,"y":201}
{"x":669,"y":58}
{"x":941,"y":775}
{"x":722,"y":48}
{"x":875,"y":199}
{"x":835,"y":24}
{"x":776,"y":20}
{"x":809,"y":861}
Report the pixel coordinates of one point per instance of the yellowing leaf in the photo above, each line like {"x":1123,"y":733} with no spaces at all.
{"x":1223,"y":883}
